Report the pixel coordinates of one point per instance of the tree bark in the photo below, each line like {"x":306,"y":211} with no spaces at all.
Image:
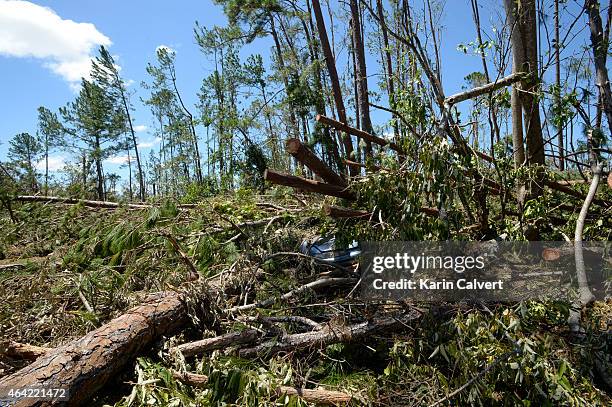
{"x":304,"y":155}
{"x":358,"y":133}
{"x":307,"y":184}
{"x":600,"y":45}
{"x":316,"y":396}
{"x":218,"y":342}
{"x":330,"y":334}
{"x":361,"y":76}
{"x":82,"y":367}
{"x":333,"y":76}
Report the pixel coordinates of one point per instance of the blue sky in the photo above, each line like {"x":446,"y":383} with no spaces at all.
{"x":42,"y":70}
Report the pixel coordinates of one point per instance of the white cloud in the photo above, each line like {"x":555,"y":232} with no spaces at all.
{"x":28,"y":30}
{"x":149,"y":143}
{"x":56,"y":163}
{"x":139,"y":128}
{"x":119,"y":159}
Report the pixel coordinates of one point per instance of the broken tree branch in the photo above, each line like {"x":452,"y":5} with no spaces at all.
{"x":481,"y":90}
{"x":73,"y":201}
{"x":22,"y":351}
{"x":307,"y":184}
{"x":358,"y":133}
{"x":303,"y":154}
{"x":218,"y":342}
{"x":330,"y":333}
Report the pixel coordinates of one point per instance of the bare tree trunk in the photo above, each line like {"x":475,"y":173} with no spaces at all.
{"x":135,"y":143}
{"x":99,"y":172}
{"x":333,"y":76}
{"x":390,"y":79}
{"x":330,"y":144}
{"x":361,"y":76}
{"x":525,"y":59}
{"x":557,"y":101}
{"x":600,"y":43}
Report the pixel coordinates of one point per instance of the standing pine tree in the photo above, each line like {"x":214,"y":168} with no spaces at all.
{"x":105,"y":73}
{"x":95,"y":124}
{"x":24,"y":151}
{"x":50,"y":135}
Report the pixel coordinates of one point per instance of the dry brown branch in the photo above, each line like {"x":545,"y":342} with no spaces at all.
{"x":191,"y":379}
{"x":358,"y":133}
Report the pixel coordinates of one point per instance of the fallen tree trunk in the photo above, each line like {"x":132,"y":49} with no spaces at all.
{"x":307,"y":184}
{"x":218,"y":342}
{"x":304,"y":155}
{"x":328,"y":335}
{"x":83,"y":366}
{"x":73,"y":201}
{"x":316,"y":396}
{"x":358,"y":133}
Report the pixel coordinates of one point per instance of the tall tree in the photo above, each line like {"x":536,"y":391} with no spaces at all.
{"x":95,"y":124}
{"x":333,"y":77}
{"x":600,"y":42}
{"x":105,"y":72}
{"x":51,"y":135}
{"x":361,"y":76}
{"x":522,"y":20}
{"x":24,"y":151}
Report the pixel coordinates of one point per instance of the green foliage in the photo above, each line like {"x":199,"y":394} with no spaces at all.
{"x":512,"y":353}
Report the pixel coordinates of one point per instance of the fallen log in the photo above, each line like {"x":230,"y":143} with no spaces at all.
{"x":22,"y":351}
{"x":73,"y":201}
{"x":83,"y":366}
{"x":316,"y":396}
{"x":218,"y":342}
{"x":358,"y":133}
{"x":304,"y":155}
{"x":307,"y":184}
{"x":330,"y":334}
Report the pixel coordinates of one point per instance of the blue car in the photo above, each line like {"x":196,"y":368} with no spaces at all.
{"x":324,"y":249}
